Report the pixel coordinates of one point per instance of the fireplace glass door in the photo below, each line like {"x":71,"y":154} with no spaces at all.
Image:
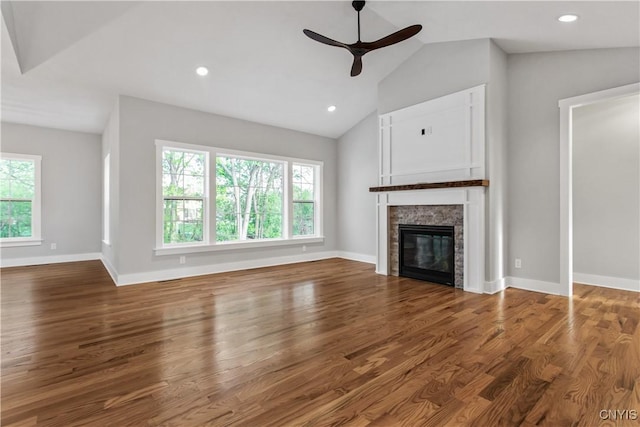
{"x":427,"y":253}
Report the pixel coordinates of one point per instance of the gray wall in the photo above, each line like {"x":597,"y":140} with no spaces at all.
{"x":606,"y":188}
{"x":537,"y":81}
{"x":436,"y":70}
{"x":142,"y":122}
{"x":71,"y":188}
{"x":357,"y":171}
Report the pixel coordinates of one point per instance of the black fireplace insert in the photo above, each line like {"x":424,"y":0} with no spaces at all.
{"x":427,"y":253}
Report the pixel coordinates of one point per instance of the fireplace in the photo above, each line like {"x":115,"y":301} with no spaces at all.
{"x":427,"y":252}
{"x":448,"y":216}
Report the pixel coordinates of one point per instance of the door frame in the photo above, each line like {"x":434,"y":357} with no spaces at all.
{"x":566,"y":170}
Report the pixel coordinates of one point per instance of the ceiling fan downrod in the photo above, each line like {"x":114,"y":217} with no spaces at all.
{"x":358,"y":6}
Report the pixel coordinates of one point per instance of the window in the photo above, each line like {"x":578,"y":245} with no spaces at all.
{"x":304,"y":199}
{"x":184,"y":195}
{"x":249,"y":199}
{"x":259,"y":200}
{"x":19,"y":199}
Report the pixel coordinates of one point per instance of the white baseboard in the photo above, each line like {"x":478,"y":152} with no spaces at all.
{"x":110,"y":268}
{"x":607,"y":281}
{"x":49,"y":259}
{"x":369,"y":259}
{"x":533,"y":285}
{"x":179,"y":273}
{"x":494,"y":286}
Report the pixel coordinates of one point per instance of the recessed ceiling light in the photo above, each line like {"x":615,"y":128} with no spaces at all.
{"x":331,"y":108}
{"x":202,"y":71}
{"x":568,"y":18}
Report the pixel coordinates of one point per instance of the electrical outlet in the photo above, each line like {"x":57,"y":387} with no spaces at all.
{"x":183,"y":259}
{"x":304,"y":248}
{"x":518,"y":263}
{"x":54,"y":246}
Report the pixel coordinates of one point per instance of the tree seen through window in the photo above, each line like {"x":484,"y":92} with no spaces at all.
{"x":183,"y":190}
{"x":303,"y":200}
{"x":249,"y":200}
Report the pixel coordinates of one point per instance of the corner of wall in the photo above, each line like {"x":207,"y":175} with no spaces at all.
{"x":357,"y":166}
{"x":110,"y":145}
{"x":495,"y":286}
{"x":496,"y":166}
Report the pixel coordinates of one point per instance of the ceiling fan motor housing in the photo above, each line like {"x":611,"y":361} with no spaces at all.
{"x":358,"y":5}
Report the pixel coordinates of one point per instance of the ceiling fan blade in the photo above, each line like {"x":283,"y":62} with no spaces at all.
{"x":360,"y":48}
{"x":394,"y":38}
{"x":322,"y":39}
{"x":356,"y":68}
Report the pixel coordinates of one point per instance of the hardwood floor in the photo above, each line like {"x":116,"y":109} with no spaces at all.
{"x":314,"y":344}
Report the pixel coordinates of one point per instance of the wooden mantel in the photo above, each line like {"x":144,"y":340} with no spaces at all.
{"x":431,"y":185}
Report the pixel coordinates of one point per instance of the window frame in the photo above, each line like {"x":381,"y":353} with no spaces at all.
{"x":317,"y":197}
{"x":36,"y":203}
{"x":206,"y":198}
{"x":210,"y":243}
{"x":252,"y":156}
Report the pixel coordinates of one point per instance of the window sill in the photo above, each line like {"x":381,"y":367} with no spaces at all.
{"x":14,"y":243}
{"x":231,"y":246}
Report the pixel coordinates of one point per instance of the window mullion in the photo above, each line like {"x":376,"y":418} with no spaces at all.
{"x":212,"y":194}
{"x":184,"y":198}
{"x":318,"y":198}
{"x":288,"y":200}
{"x":159,"y":196}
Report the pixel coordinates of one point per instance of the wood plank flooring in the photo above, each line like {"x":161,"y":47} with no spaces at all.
{"x":325,"y":343}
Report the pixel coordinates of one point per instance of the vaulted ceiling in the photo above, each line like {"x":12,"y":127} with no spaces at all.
{"x":65,"y":63}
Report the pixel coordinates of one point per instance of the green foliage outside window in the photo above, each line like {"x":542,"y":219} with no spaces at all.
{"x":17,"y":190}
{"x":248,"y":199}
{"x":303,"y":200}
{"x":183,"y":191}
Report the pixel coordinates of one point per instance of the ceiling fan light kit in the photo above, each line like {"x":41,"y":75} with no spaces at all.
{"x":360,"y":48}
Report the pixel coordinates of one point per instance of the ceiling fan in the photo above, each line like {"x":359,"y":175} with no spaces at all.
{"x":360,"y":48}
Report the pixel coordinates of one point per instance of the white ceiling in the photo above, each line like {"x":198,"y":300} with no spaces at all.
{"x":72,"y":59}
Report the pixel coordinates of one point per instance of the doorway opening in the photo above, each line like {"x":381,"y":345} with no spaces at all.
{"x":566,"y":174}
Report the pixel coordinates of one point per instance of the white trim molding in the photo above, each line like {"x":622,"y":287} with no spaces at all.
{"x":533,"y":285}
{"x":8,"y":243}
{"x":110,"y":269}
{"x":566,"y":185}
{"x":51,"y":259}
{"x":495,"y":286}
{"x":607,"y":281}
{"x":352,"y":256}
{"x":235,"y":245}
{"x":442,"y":139}
{"x":200,"y":270}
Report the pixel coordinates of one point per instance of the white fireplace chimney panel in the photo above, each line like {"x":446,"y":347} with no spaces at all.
{"x":437,"y":140}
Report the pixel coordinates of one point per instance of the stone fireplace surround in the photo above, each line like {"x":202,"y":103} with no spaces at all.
{"x":472,"y":201}
{"x":452,"y":215}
